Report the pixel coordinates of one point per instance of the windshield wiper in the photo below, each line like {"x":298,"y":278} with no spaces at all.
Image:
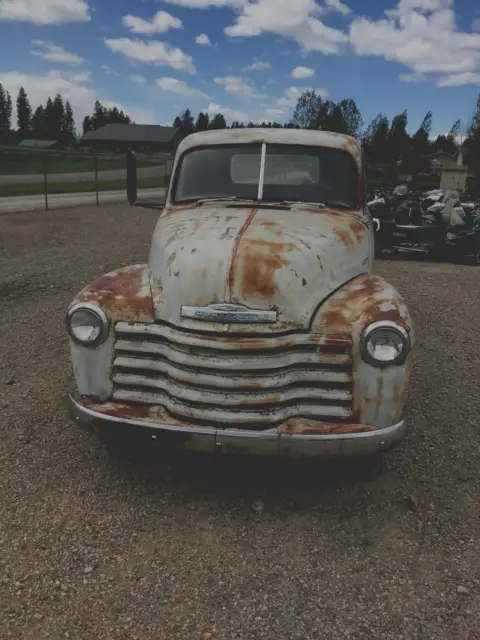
{"x":224,"y":199}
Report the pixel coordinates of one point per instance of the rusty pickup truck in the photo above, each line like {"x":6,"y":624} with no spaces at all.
{"x":257,"y":326}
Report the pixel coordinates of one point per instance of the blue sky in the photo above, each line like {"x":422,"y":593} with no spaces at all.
{"x":249,"y":59}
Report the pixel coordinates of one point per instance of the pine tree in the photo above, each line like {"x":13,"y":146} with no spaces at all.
{"x":188,"y":122}
{"x":5,"y":113}
{"x":99,"y":118}
{"x":58,"y":117}
{"x":87,"y":125}
{"x":49,"y":120}
{"x":24,"y":113}
{"x":68,"y":124}
{"x":218,"y":122}
{"x":38,"y":123}
{"x":203,"y":122}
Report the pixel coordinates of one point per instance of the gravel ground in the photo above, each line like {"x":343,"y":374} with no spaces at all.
{"x":95,"y":548}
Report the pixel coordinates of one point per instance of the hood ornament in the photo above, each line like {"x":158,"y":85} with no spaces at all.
{"x":229,"y":314}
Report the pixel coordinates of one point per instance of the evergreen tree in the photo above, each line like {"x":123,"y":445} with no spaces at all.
{"x":188,"y":122}
{"x":87,"y":125}
{"x":24,"y":113}
{"x":68,"y":128}
{"x":5,"y":113}
{"x":38,"y":123}
{"x":203,"y":122}
{"x":218,"y":122}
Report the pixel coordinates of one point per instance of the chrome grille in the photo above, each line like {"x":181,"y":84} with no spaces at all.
{"x":233,"y":381}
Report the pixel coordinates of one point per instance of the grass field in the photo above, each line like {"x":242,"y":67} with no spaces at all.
{"x":13,"y":162}
{"x":19,"y":190}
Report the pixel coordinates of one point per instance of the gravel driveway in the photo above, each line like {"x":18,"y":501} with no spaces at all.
{"x":93,"y":548}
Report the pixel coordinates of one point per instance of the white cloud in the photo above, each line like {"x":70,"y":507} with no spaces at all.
{"x":421,"y":34}
{"x":289,"y":19}
{"x":230,"y":114}
{"x":53,"y":53}
{"x":206,"y":4}
{"x":83,"y":76}
{"x":40,"y":88}
{"x":152,"y":52}
{"x":302,"y":72}
{"x":160,"y":23}
{"x":292,"y":94}
{"x":173,"y":85}
{"x":412,"y":77}
{"x":44,"y":12}
{"x":257,"y":65}
{"x":339,"y":7}
{"x":237,"y":86}
{"x":138,"y":79}
{"x":274,"y":113}
{"x":71,"y":87}
{"x":459,"y":79}
{"x":108,"y":70}
{"x":476,"y":25}
{"x":203,"y":39}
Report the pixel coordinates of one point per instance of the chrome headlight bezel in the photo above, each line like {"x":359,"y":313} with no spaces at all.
{"x":383,"y":325}
{"x":94,"y":310}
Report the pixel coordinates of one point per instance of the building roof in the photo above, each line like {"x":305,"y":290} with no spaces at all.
{"x":132,"y":133}
{"x":37,"y":144}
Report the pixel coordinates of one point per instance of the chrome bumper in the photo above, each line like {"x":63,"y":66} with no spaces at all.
{"x":233,"y":441}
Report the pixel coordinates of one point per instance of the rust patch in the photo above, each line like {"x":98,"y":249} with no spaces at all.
{"x":358,"y":229}
{"x":175,"y":208}
{"x":125,"y":412}
{"x":124,"y":294}
{"x":171,"y":258}
{"x":257,"y":261}
{"x":155,"y":414}
{"x":360,"y":298}
{"x":231,"y":270}
{"x":344,"y":236}
{"x":304,"y":427}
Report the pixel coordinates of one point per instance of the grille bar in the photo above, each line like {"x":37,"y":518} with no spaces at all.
{"x":232,"y":399}
{"x":223,"y":379}
{"x":227,"y":361}
{"x":152,"y":332}
{"x":240,"y":417}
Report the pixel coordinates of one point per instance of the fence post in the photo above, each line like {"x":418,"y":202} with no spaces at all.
{"x":96,"y":176}
{"x":45,"y":182}
{"x":132,"y":181}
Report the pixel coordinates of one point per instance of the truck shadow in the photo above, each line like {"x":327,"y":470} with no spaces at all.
{"x":235,"y":478}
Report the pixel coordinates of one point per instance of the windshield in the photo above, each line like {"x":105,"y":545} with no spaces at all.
{"x":292,"y":172}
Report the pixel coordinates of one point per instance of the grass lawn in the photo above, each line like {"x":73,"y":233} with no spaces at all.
{"x":18,"y":190}
{"x":14,"y":163}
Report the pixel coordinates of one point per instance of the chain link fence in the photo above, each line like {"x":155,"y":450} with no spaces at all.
{"x":99,"y":177}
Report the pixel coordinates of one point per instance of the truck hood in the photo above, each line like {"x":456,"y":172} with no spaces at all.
{"x":287,"y":260}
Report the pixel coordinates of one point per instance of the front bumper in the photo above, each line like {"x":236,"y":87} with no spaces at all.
{"x":241,"y":442}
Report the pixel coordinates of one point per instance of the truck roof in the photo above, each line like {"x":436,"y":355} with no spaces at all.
{"x":305,"y":137}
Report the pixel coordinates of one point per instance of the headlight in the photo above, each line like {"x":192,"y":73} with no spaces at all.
{"x":384,"y":343}
{"x":87,"y":324}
